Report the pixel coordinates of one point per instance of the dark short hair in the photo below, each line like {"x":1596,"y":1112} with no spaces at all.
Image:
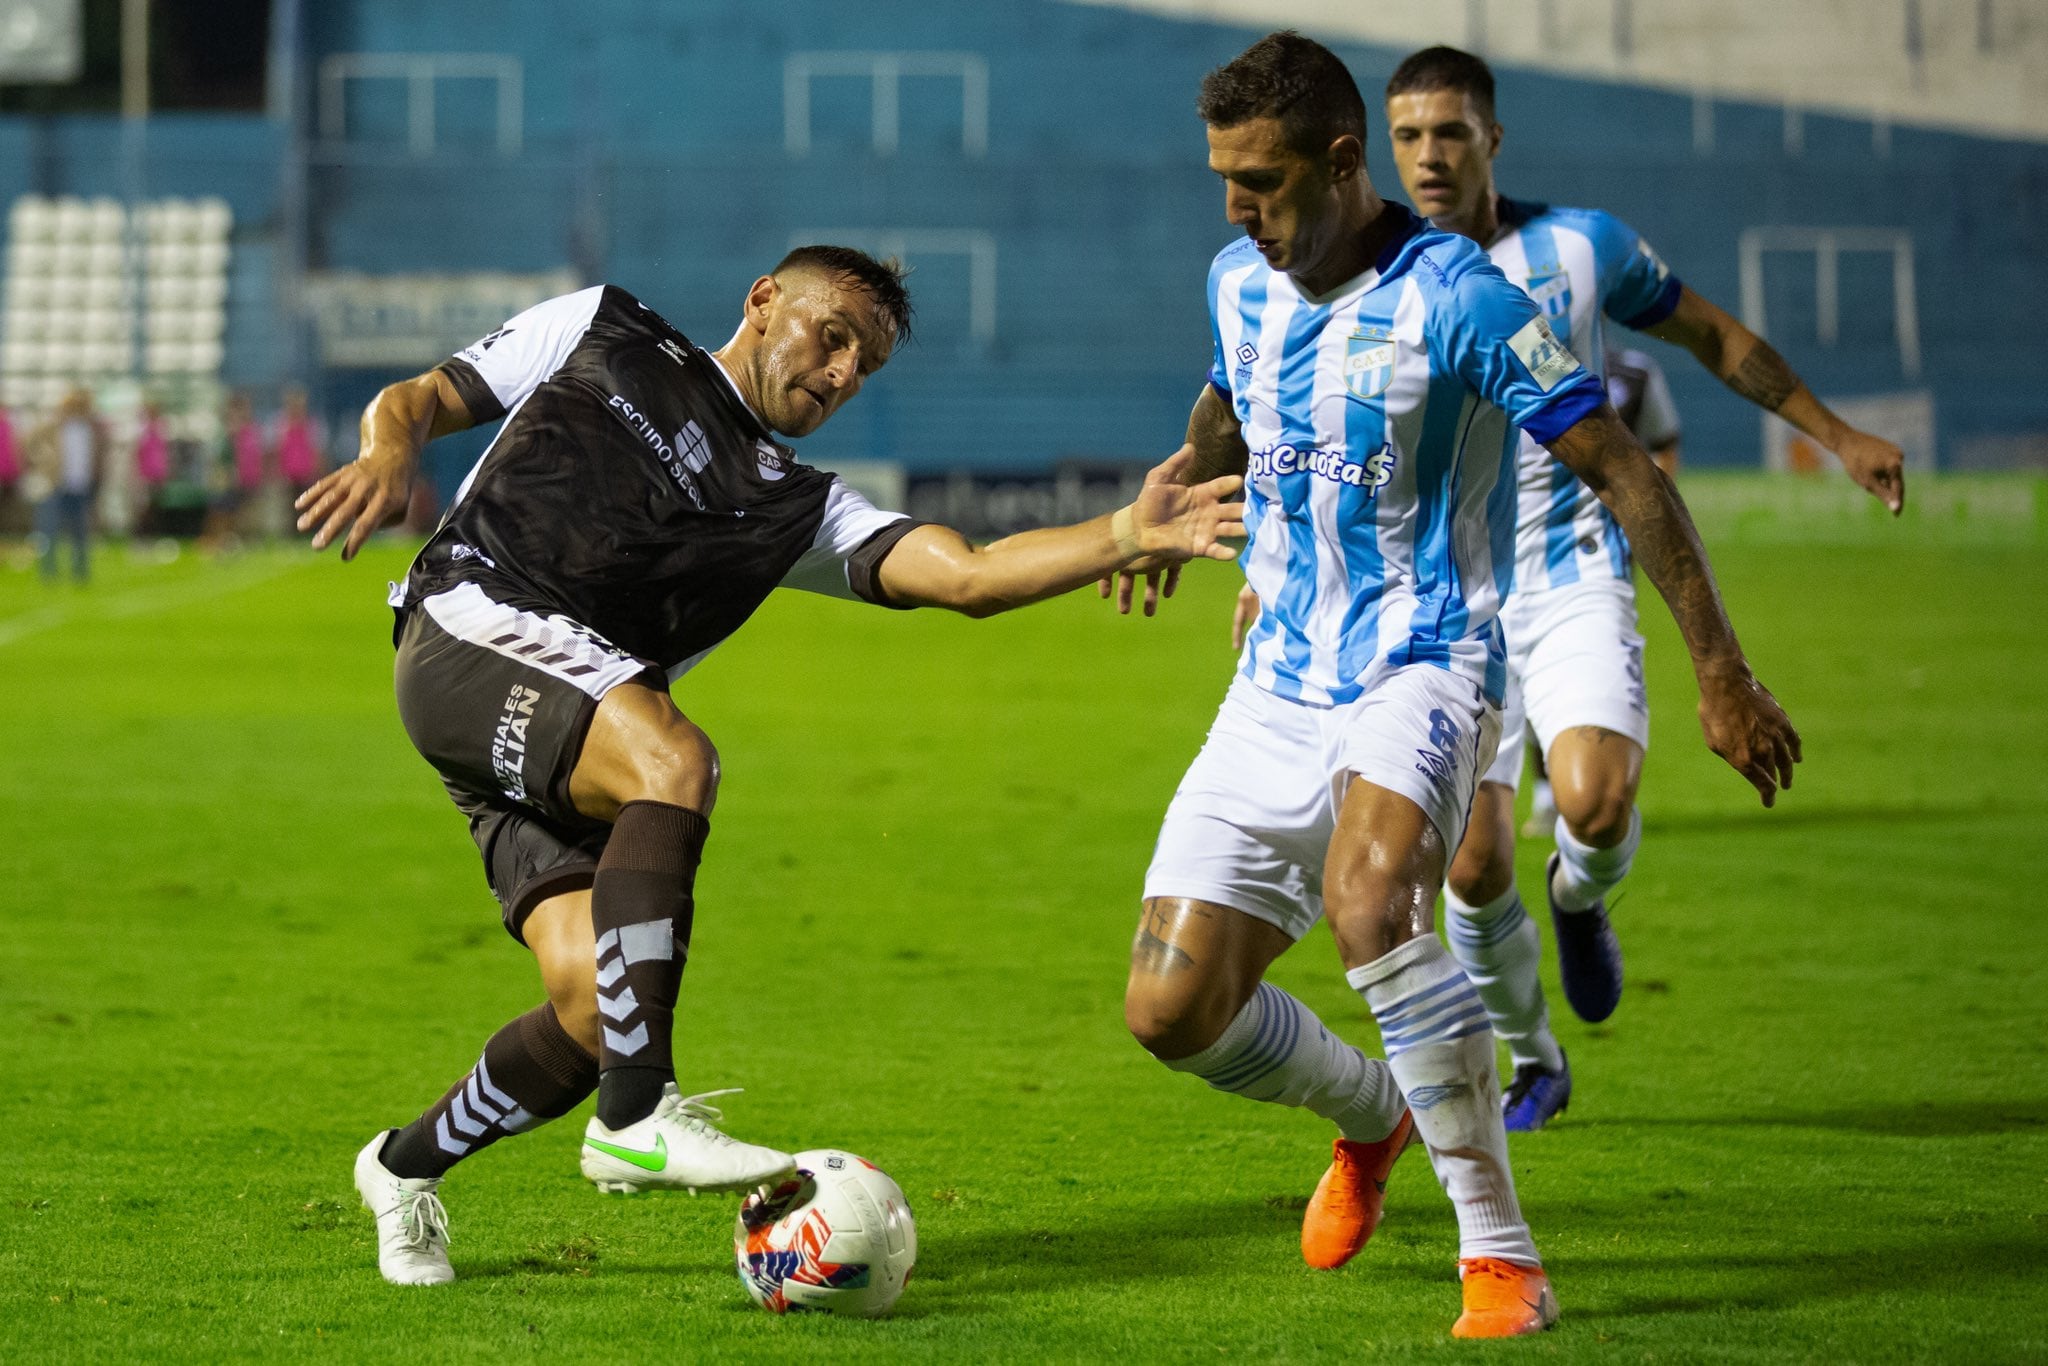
{"x":881,"y":279}
{"x":1445,"y":68}
{"x":1293,"y":79}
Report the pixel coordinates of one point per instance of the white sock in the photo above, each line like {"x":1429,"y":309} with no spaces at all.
{"x":1498,"y":946}
{"x":1276,"y":1050}
{"x":1440,"y":1050}
{"x":1586,"y":874}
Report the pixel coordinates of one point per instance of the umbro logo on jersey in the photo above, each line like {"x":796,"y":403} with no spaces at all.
{"x":491,"y":340}
{"x":1247,"y":353}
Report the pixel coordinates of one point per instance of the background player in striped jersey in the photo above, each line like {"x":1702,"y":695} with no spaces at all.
{"x":1642,"y":396}
{"x":1370,"y":374}
{"x":632,"y":512}
{"x":1575,"y":659}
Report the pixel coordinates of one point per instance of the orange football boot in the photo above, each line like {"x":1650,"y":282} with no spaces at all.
{"x":1503,"y":1299}
{"x":1345,"y":1209}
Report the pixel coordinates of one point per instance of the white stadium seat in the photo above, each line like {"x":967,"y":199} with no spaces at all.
{"x":33,"y":219}
{"x":107,"y":291}
{"x":71,"y":288}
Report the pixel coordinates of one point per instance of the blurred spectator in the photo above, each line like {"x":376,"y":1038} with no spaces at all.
{"x":1639,"y":392}
{"x":67,"y":459}
{"x":152,"y":466}
{"x":239,"y":467}
{"x":245,"y":441}
{"x":299,"y":443}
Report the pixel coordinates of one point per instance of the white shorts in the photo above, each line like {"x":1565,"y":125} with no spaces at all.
{"x":1250,"y":825}
{"x":1574,"y":659}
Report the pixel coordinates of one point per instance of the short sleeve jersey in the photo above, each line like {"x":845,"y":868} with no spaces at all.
{"x":1582,"y":267}
{"x":632,"y":490}
{"x":1382,"y":422}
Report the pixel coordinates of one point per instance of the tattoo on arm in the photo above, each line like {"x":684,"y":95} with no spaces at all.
{"x":1218,"y":440}
{"x":1763,"y":377}
{"x":1603,"y":453}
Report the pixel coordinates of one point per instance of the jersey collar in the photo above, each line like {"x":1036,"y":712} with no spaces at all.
{"x":1407,"y":227}
{"x":739,"y":399}
{"x":1513,"y":213}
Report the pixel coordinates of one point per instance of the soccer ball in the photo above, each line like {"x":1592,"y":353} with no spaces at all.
{"x":837,"y":1236}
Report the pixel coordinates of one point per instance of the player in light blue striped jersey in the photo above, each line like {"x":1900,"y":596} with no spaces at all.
{"x":1575,"y":658}
{"x":1371,"y":377}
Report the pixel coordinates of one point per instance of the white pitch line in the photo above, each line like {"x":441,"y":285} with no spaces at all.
{"x":141,"y":602}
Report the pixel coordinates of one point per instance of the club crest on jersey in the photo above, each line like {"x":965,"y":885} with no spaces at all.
{"x":1368,"y":363}
{"x":1552,"y":288}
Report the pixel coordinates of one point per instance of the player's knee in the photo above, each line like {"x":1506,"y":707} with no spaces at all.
{"x":1480,"y":872}
{"x":681,"y":769}
{"x":576,"y":1007}
{"x":1599,"y":814}
{"x":571,"y":985}
{"x":1170,"y":1022}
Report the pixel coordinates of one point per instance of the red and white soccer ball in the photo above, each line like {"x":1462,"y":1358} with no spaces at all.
{"x":837,"y":1236}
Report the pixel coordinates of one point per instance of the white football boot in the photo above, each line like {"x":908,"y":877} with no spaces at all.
{"x":677,"y":1148}
{"x":412,"y":1228}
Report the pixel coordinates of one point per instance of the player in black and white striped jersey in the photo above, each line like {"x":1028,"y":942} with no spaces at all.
{"x":633,"y":511}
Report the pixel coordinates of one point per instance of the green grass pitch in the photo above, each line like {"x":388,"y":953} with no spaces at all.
{"x":242,"y":929}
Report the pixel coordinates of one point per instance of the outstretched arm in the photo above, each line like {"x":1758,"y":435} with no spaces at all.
{"x":365,"y":494}
{"x":1747,"y":364}
{"x":1742,"y":721}
{"x":1171,"y":521}
{"x":1217,"y":443}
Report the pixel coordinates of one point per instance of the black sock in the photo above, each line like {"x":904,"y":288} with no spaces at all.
{"x":531,"y":1072}
{"x":641,"y":909}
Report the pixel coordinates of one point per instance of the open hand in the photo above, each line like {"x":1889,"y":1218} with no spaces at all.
{"x":1877,"y":465}
{"x":1177,"y":521}
{"x":360,"y":496}
{"x":1160,"y":581}
{"x":1745,"y":726}
{"x":1174,"y":522}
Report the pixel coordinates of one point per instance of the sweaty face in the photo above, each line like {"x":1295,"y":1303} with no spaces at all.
{"x":823,"y":336}
{"x":1444,"y":150}
{"x":1285,"y":201}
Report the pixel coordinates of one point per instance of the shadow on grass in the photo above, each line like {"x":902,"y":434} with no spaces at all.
{"x":1790,"y":817}
{"x":1925,"y":1119}
{"x":968,"y":1270}
{"x":1714,"y":1283}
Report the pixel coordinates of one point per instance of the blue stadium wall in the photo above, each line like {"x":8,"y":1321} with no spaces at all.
{"x":654,"y":158}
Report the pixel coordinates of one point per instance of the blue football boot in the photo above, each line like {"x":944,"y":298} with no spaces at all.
{"x":1588,"y":955}
{"x":1537,"y":1096}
